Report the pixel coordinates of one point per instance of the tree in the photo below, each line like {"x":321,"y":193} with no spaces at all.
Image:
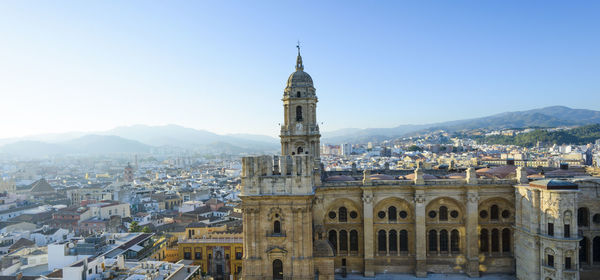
{"x":146,"y":229}
{"x":135,"y":227}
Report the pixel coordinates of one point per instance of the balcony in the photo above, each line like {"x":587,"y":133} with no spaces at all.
{"x":276,"y":234}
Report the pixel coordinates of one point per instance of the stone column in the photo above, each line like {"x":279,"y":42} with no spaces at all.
{"x":368,"y":237}
{"x":420,"y":234}
{"x":472,"y":236}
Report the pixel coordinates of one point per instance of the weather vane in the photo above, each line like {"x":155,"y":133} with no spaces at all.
{"x":298,"y":46}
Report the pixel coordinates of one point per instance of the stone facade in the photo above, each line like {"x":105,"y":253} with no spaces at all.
{"x":301,"y":222}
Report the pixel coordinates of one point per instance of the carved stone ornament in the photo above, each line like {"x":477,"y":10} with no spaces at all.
{"x":275,"y":213}
{"x":251,"y":210}
{"x":367,"y":198}
{"x":473,"y":197}
{"x":419,"y":198}
{"x":318,"y":200}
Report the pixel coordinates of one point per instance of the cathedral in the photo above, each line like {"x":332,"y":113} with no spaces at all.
{"x":301,"y":222}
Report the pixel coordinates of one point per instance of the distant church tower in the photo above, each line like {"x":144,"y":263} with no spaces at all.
{"x":300,"y":131}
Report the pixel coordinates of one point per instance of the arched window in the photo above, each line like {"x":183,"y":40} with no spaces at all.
{"x":353,"y":240}
{"x":443,"y":240}
{"x":393,"y":239}
{"x":392,"y":214}
{"x":381,"y":240}
{"x":443,"y":213}
{"x":343,"y":214}
{"x":403,"y":240}
{"x":494,"y":212}
{"x":455,"y":241}
{"x":298,"y":94}
{"x":483,"y":240}
{"x":300,"y":150}
{"x":432,"y":240}
{"x":583,"y":250}
{"x":298,"y":113}
{"x":583,"y":217}
{"x":596,"y":249}
{"x":495,"y":240}
{"x":343,"y":240}
{"x":277,"y":269}
{"x":506,"y":240}
{"x":276,"y":227}
{"x":333,"y":240}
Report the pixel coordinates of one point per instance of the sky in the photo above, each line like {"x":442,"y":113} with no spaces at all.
{"x":222,"y":65}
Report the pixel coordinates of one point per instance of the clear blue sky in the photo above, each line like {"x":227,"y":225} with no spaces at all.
{"x":222,"y":65}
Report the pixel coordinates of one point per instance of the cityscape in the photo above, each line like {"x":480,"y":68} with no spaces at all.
{"x":502,"y":193}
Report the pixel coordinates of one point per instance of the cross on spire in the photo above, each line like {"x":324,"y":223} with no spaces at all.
{"x":299,"y":65}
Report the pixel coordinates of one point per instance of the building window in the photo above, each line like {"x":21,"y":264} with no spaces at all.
{"x":494,"y":212}
{"x":299,"y":113}
{"x":403,"y":214}
{"x":381,"y":214}
{"x":583,"y":217}
{"x":277,"y":269}
{"x":332,"y":215}
{"x":276,"y":227}
{"x":455,"y":241}
{"x":567,"y":231}
{"x":238,"y":255}
{"x":392,"y":214}
{"x":298,"y":94}
{"x":443,"y":213}
{"x":506,"y":240}
{"x":443,"y":240}
{"x":187,"y":255}
{"x":333,"y":240}
{"x":343,"y":240}
{"x":583,"y":250}
{"x":198,"y":255}
{"x":353,"y":240}
{"x":432,"y":240}
{"x":381,"y":238}
{"x":353,"y":214}
{"x":403,"y":241}
{"x":432,"y":214}
{"x":343,"y":214}
{"x":551,"y":229}
{"x":495,"y":240}
{"x":505,"y":214}
{"x":568,"y":263}
{"x":393,"y":240}
{"x":596,"y":249}
{"x":454,"y":214}
{"x":551,"y":260}
{"x":483,"y":214}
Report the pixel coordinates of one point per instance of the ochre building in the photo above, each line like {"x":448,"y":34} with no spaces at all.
{"x":303,"y":223}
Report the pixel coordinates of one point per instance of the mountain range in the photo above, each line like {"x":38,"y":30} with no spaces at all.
{"x":138,"y":139}
{"x":144,"y":139}
{"x":544,"y":117}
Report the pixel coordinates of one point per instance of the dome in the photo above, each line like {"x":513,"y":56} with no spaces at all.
{"x":299,"y":79}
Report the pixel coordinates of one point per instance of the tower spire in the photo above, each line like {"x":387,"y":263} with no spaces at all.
{"x":299,"y":65}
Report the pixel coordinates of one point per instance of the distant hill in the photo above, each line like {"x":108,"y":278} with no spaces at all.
{"x":138,"y":139}
{"x":89,"y":144}
{"x":579,"y":136}
{"x":545,"y":117}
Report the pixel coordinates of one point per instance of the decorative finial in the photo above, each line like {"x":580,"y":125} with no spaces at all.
{"x":299,"y":65}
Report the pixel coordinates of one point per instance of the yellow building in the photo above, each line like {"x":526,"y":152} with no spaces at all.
{"x":217,"y":250}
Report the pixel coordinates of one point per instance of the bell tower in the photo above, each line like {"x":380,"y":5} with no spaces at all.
{"x":300,"y":132}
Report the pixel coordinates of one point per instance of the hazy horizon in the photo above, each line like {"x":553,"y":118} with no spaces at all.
{"x":73,"y":66}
